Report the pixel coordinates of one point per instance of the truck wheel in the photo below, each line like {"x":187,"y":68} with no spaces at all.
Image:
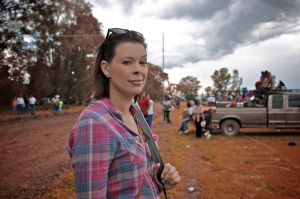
{"x":230,"y":128}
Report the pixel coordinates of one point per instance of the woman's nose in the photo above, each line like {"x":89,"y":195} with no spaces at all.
{"x":137,"y":68}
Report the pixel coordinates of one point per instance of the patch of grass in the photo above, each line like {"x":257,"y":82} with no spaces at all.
{"x":63,"y":188}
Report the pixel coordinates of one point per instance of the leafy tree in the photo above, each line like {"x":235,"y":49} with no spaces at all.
{"x":171,"y":89}
{"x":189,"y":87}
{"x":221,"y":78}
{"x":208,"y":90}
{"x":236,"y":80}
{"x":154,"y":85}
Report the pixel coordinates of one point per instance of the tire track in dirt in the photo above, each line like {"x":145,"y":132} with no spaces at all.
{"x":273,"y":150}
{"x":32,"y":154}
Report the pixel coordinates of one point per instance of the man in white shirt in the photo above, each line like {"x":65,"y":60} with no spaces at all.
{"x":54,"y":104}
{"x":20,"y":105}
{"x":150,"y":112}
{"x":32,"y":101}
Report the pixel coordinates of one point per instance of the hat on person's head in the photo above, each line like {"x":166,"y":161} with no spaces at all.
{"x":292,"y":142}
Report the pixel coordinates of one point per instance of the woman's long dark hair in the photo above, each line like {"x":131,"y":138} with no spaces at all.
{"x":106,"y":52}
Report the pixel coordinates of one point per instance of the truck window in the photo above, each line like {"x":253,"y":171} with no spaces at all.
{"x":294,"y":101}
{"x":277,"y":102}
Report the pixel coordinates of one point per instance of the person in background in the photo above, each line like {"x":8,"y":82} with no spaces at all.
{"x":208,"y":119}
{"x":184,"y":125}
{"x":262,"y":76}
{"x":267,"y":82}
{"x":233,"y":102}
{"x":54,"y":101}
{"x":150,"y":111}
{"x":26,"y":104}
{"x":20,"y":104}
{"x":198,"y":114}
{"x":14,"y":105}
{"x":167,"y":108}
{"x":57,"y":102}
{"x":60,"y":104}
{"x":229,"y":98}
{"x":144,"y":105}
{"x":240,"y":98}
{"x":217,"y":95}
{"x":204,"y":102}
{"x":178,"y":102}
{"x":32,"y":101}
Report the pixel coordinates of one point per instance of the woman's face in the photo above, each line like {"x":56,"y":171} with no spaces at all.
{"x":127,"y":70}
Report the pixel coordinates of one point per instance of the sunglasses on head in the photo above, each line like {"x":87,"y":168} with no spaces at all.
{"x":119,"y":31}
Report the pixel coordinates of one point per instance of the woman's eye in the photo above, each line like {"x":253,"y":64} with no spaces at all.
{"x":126,"y":62}
{"x":143,"y":63}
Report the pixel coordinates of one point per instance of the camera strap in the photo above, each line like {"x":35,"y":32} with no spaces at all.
{"x":153,"y":148}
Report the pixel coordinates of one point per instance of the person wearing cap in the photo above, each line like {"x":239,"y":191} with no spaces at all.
{"x":54,"y":101}
{"x":198,"y":114}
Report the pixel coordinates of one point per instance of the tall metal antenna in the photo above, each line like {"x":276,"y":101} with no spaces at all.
{"x":163,"y":76}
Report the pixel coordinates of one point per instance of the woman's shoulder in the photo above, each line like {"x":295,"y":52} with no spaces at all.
{"x":96,"y":110}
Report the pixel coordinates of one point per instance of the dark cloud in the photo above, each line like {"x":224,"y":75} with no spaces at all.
{"x":233,"y":23}
{"x":127,"y":6}
{"x":194,"y":10}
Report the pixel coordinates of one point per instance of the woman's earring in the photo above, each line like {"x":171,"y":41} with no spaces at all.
{"x":107,"y":75}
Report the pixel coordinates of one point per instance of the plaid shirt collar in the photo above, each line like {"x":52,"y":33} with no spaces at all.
{"x":111,"y":107}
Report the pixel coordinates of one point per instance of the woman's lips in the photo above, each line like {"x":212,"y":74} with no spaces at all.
{"x":136,"y":82}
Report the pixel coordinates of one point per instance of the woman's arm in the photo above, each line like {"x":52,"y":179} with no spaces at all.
{"x":92,"y":149}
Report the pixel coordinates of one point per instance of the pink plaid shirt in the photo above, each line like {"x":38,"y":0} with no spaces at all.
{"x":109,"y":159}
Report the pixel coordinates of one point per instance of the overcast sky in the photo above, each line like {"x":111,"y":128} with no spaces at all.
{"x":202,"y":36}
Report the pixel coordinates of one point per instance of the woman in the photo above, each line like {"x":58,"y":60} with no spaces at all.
{"x":168,"y":107}
{"x":198,"y":114}
{"x":109,"y":155}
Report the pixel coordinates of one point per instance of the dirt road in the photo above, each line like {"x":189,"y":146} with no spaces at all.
{"x":33,"y":152}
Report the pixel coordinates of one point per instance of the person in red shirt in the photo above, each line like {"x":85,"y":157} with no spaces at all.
{"x":144,"y":105}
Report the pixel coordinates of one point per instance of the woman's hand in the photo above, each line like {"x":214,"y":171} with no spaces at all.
{"x":170,"y":177}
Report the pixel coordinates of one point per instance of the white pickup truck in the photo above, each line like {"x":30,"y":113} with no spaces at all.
{"x":280,"y":110}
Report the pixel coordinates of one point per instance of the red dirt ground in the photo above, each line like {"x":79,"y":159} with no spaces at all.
{"x":33,"y":154}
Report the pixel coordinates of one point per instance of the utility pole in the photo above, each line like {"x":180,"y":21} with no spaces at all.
{"x":163,"y":76}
